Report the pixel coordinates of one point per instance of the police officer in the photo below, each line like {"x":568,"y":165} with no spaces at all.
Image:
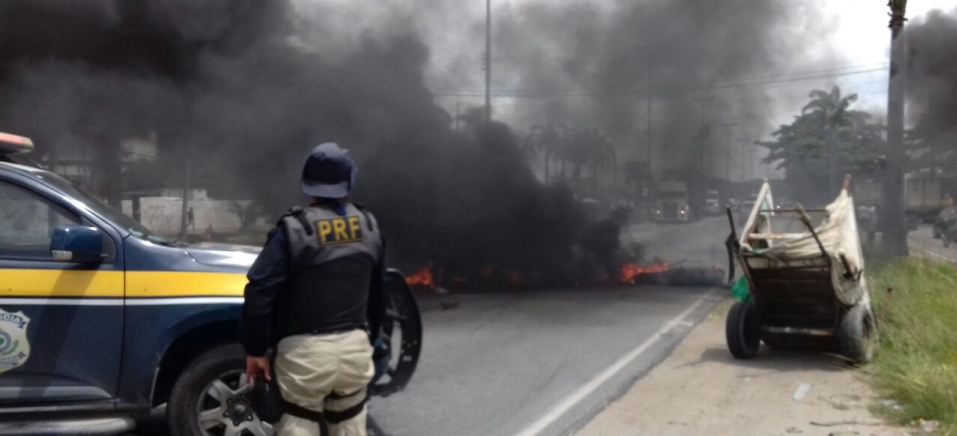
{"x":316,"y":288}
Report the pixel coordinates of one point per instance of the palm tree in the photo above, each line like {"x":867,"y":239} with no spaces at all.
{"x":544,"y":140}
{"x":602,"y":153}
{"x":589,"y":146}
{"x":831,"y":111}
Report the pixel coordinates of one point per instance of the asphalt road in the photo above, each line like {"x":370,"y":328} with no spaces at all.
{"x":923,"y":240}
{"x":495,"y":365}
{"x":698,"y":244}
{"x":544,"y":362}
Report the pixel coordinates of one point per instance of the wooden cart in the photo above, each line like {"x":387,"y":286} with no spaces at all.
{"x":794,"y":304}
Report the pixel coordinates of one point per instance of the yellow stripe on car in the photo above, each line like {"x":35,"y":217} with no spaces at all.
{"x":60,"y":283}
{"x":147,"y":284}
{"x":57,"y":283}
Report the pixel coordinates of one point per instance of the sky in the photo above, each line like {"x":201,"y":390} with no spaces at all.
{"x":857,"y":43}
{"x":862,"y":37}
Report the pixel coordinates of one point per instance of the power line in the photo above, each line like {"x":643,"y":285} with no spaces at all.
{"x":715,"y":86}
{"x":877,"y":67}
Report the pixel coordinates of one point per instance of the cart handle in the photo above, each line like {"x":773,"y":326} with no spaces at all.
{"x":807,"y":223}
{"x":732,"y":244}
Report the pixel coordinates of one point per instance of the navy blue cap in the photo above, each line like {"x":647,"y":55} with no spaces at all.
{"x":329,"y":172}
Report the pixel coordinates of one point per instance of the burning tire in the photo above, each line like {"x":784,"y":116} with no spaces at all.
{"x":742,"y":332}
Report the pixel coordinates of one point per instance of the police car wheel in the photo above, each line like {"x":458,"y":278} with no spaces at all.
{"x":207,"y":399}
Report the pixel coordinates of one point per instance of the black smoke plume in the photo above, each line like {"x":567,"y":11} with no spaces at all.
{"x":596,"y":63}
{"x":931,"y":85}
{"x":235,"y":92}
{"x":234,"y":102}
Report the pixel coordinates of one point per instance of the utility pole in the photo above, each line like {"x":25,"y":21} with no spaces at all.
{"x":727,"y":155}
{"x":185,"y":208}
{"x":457,"y":117}
{"x":895,"y":237}
{"x":704,"y":149}
{"x":488,"y":62}
{"x":648,"y":112}
{"x":744,"y":160}
{"x":754,"y":162}
{"x":648,"y":155}
{"x":727,"y":159}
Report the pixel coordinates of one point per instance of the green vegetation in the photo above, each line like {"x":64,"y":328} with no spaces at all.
{"x":917,"y":363}
{"x":827,"y":140}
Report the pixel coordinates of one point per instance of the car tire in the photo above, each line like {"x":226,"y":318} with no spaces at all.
{"x":858,"y":334}
{"x":741,"y":331}
{"x":207,"y":398}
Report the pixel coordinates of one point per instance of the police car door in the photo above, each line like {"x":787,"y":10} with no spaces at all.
{"x":60,"y":322}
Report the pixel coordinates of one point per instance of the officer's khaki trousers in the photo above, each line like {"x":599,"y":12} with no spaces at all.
{"x":310,"y":367}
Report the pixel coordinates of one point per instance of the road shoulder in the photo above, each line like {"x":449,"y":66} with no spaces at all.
{"x":701,"y":389}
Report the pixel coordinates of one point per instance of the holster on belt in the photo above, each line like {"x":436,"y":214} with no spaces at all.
{"x":265,"y":398}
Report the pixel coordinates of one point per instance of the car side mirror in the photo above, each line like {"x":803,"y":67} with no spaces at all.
{"x":78,"y":244}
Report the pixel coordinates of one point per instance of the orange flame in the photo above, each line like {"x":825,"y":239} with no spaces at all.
{"x":602,"y":278}
{"x":629,"y":271}
{"x":514,"y":279}
{"x":423,"y":277}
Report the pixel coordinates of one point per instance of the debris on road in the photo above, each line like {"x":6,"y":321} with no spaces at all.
{"x":929,"y":426}
{"x":891,"y":404}
{"x":801,"y":391}
{"x":836,"y":423}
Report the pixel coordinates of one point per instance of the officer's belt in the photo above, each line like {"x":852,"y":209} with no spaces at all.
{"x":330,"y":416}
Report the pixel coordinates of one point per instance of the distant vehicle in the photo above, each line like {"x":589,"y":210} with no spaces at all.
{"x":734,"y":204}
{"x":712,"y":203}
{"x":671,"y":204}
{"x":923,"y":195}
{"x":944,"y":221}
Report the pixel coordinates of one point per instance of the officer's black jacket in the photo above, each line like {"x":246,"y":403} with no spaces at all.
{"x":269,"y":277}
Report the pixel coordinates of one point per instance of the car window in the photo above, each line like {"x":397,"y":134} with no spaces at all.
{"x":27,"y":221}
{"x":127,"y":224}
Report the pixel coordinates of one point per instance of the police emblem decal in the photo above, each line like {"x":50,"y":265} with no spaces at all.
{"x":14,"y":344}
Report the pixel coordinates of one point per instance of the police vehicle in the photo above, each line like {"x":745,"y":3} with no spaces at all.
{"x":102,"y":321}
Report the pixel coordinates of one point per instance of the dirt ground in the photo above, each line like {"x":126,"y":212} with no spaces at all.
{"x":701,"y":390}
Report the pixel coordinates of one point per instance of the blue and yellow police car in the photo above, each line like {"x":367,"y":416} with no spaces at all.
{"x":101,"y":321}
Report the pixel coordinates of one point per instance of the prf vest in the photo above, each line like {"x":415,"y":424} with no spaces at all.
{"x":331,"y":262}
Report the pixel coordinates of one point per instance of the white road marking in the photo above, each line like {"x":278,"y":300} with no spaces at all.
{"x":577,"y":396}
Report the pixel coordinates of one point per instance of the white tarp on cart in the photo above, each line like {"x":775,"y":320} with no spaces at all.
{"x":837,"y":233}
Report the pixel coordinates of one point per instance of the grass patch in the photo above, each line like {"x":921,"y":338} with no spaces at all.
{"x":916,"y":364}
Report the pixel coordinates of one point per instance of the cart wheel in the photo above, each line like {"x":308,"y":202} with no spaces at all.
{"x":858,"y":334}
{"x":741,"y":331}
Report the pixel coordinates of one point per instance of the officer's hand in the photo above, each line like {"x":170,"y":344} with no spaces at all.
{"x":256,"y":366}
{"x":381,"y":349}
